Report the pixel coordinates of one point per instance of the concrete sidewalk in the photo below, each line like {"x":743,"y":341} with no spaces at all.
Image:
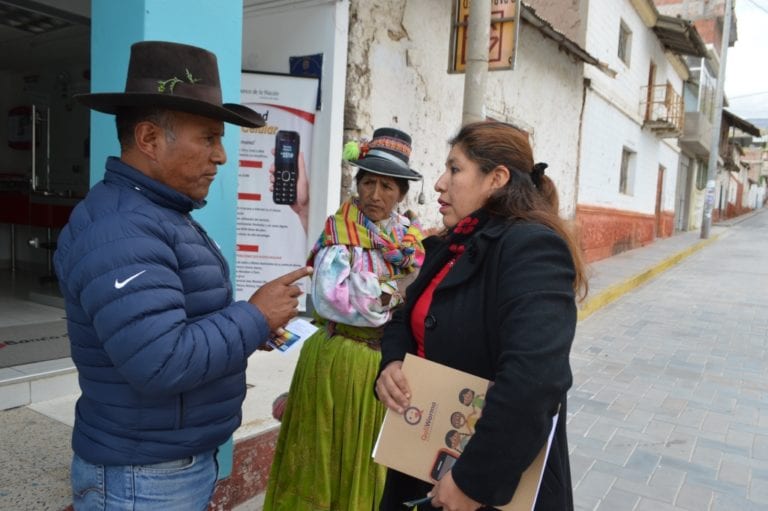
{"x":612,"y":277}
{"x":34,"y":444}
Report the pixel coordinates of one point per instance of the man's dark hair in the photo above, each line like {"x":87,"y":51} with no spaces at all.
{"x":126,"y":120}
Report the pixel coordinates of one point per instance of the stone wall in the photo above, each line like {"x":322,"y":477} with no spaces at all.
{"x":398,"y":76}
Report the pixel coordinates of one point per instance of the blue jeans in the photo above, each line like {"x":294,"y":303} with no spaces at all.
{"x":181,"y":485}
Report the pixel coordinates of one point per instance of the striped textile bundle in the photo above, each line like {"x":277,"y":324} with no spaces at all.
{"x":401,"y":247}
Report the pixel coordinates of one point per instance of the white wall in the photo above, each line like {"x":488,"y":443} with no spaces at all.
{"x":269,"y":39}
{"x":602,"y":41}
{"x":544,"y":94}
{"x":607,"y":131}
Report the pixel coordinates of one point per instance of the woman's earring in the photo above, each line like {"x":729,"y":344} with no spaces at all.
{"x":421,"y":199}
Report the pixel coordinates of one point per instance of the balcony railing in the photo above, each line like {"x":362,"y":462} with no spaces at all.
{"x":663,"y":110}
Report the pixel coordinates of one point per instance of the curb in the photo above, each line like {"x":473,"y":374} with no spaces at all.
{"x":617,"y":290}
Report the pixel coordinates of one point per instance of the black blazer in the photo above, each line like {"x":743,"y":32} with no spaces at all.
{"x":506,"y":312}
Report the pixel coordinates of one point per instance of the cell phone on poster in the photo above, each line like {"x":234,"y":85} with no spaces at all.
{"x":286,"y":167}
{"x":443,"y":463}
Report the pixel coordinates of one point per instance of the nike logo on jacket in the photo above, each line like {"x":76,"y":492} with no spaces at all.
{"x":121,"y":284}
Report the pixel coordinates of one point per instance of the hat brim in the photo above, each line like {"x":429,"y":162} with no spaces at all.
{"x":385,"y":168}
{"x":111,"y":103}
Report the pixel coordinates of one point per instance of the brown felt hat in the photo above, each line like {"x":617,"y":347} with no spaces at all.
{"x":176,"y":77}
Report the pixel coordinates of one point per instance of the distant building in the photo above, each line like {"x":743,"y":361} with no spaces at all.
{"x":741,"y":188}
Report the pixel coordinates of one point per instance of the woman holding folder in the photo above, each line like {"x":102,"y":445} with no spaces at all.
{"x":495,"y":298}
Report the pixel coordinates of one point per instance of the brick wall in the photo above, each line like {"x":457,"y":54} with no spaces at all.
{"x":250,"y":471}
{"x":604,"y":232}
{"x":710,"y":32}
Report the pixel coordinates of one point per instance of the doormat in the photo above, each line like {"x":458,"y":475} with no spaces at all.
{"x":25,"y":344}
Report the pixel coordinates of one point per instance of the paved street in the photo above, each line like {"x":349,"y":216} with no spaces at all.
{"x":669,"y":408}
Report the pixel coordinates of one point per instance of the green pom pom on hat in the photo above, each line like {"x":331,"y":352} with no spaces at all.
{"x":351,"y":151}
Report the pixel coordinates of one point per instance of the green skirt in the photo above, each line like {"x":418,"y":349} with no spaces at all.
{"x":329,"y":427}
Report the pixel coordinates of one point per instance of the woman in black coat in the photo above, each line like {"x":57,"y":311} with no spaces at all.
{"x":495,"y":298}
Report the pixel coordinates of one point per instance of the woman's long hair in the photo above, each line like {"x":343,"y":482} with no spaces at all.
{"x":493,"y":143}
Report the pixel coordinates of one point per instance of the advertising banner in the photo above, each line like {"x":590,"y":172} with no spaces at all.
{"x":273,"y":179}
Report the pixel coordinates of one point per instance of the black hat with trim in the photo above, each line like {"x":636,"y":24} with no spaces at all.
{"x":387,"y":154}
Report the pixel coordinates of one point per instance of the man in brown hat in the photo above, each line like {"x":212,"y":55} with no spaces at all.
{"x":160,"y":346}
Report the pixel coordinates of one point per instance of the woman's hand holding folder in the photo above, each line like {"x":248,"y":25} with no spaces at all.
{"x":392,"y":387}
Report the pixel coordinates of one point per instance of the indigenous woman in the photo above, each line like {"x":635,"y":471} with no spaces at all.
{"x":362,"y":262}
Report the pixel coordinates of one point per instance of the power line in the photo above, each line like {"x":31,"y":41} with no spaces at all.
{"x":758,"y":6}
{"x":748,"y":95}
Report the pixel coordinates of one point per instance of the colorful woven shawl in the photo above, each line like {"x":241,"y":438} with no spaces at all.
{"x":401,"y":248}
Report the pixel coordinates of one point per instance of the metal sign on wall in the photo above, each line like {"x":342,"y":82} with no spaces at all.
{"x":505,"y":18}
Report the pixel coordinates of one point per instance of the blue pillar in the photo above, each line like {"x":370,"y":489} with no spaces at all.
{"x":215,"y":26}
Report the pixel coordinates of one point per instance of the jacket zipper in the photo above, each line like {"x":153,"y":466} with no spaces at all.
{"x":181,"y":411}
{"x":213,"y":248}
{"x":210,"y":244}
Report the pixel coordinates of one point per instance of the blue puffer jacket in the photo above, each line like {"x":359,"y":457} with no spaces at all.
{"x":160,"y":346}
